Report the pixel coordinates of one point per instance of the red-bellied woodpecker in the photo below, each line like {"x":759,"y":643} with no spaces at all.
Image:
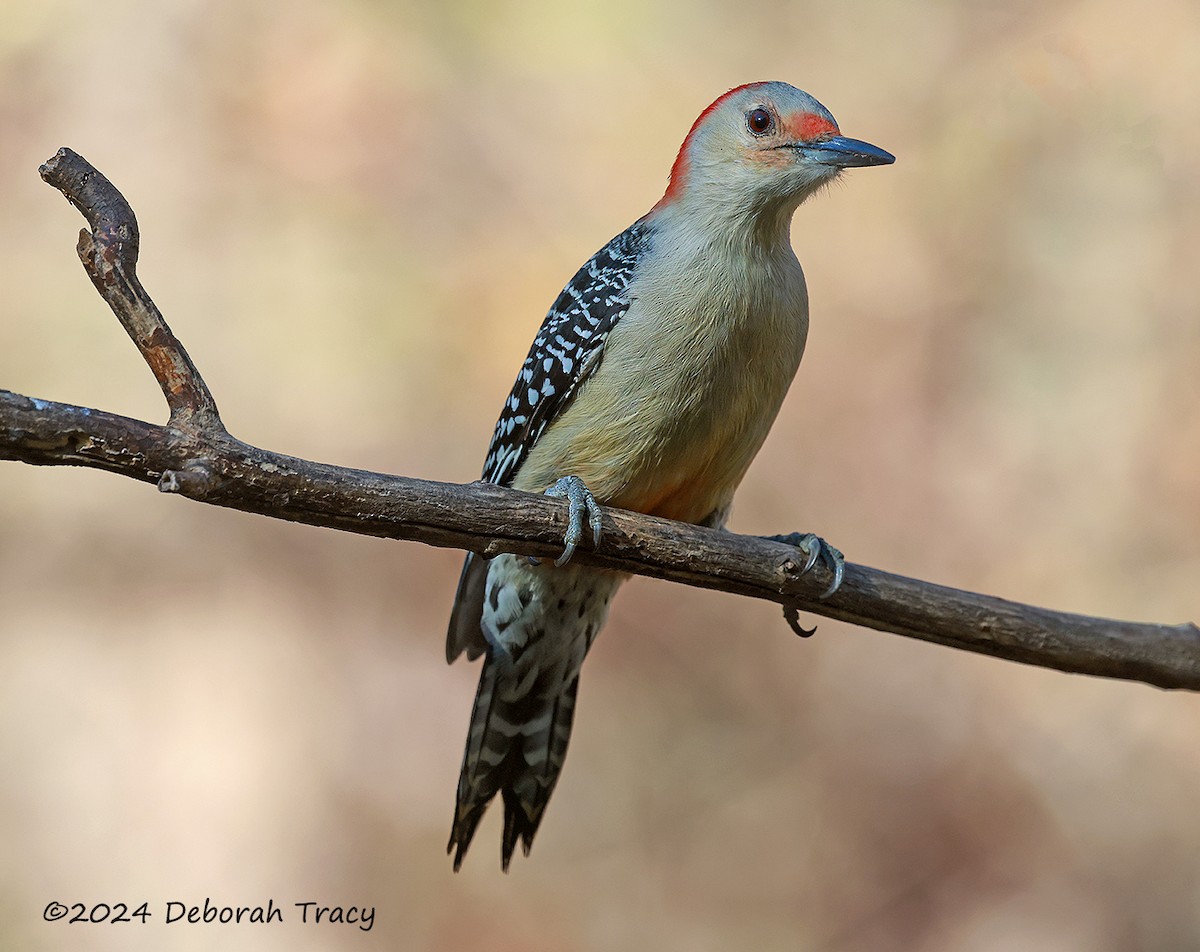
{"x":650,"y":386}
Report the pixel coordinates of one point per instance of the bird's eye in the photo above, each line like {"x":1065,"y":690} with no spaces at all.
{"x":759,"y":122}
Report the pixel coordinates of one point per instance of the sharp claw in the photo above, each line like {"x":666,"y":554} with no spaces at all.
{"x":579,"y":500}
{"x":574,"y":532}
{"x":816,"y":548}
{"x":835,"y":584}
{"x":816,"y":545}
{"x":791,"y":615}
{"x":597,"y":519}
{"x":837,"y":564}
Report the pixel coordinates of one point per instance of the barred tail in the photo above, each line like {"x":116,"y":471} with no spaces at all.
{"x":515,"y":747}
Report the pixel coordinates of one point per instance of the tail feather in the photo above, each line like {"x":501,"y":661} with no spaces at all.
{"x":464,"y":633}
{"x":534,"y":624}
{"x":542,"y":755}
{"x":515,"y":748}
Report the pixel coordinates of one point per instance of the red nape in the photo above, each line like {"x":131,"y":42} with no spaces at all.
{"x":679,"y":168}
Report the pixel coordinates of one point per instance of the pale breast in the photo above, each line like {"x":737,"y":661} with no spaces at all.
{"x":689,"y":384}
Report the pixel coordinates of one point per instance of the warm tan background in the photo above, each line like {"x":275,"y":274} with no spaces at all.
{"x":355,"y":215}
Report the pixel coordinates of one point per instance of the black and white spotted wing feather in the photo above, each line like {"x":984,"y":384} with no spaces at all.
{"x":565,"y":351}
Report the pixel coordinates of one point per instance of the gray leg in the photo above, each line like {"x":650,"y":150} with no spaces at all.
{"x":581,"y":500}
{"x":814,"y":547}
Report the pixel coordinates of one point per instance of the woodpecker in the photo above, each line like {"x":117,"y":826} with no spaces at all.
{"x":650,"y":386}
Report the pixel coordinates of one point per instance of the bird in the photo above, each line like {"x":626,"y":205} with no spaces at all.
{"x":650,"y":386}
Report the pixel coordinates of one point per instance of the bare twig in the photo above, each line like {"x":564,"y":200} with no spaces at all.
{"x":194,"y":456}
{"x":109,"y":254}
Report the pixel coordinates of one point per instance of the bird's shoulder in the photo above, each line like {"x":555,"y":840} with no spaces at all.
{"x":566,"y":349}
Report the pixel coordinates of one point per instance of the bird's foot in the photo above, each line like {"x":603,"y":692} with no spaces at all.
{"x":815,"y":548}
{"x":581,"y":501}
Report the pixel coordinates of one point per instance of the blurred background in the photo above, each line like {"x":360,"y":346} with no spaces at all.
{"x":355,"y":216}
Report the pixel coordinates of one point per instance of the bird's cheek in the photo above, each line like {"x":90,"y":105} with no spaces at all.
{"x":778,"y":159}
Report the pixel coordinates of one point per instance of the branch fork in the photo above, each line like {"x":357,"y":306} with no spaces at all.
{"x":193,"y":455}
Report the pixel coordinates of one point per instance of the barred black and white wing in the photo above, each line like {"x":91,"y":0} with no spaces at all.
{"x":566,"y":349}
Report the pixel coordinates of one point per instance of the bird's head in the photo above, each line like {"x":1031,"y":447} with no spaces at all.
{"x":763,"y":148}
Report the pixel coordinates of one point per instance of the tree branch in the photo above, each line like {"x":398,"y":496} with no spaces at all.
{"x":193,"y":455}
{"x":109,"y":254}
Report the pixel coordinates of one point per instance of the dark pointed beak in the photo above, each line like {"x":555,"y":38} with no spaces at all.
{"x":844,"y":153}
